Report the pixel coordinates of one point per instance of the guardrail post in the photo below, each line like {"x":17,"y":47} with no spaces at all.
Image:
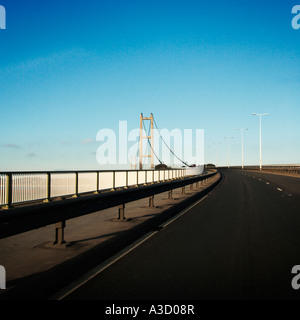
{"x":48,"y":194}
{"x":192,"y":186}
{"x":114,"y":181}
{"x":121,"y":211}
{"x":8,"y":188}
{"x":76,"y":185}
{"x":97,"y":183}
{"x":183,"y":190}
{"x":126,"y":185}
{"x":170,"y":194}
{"x":59,"y":233}
{"x":151,"y":201}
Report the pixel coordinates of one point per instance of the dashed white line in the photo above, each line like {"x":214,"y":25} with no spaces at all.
{"x":279,"y":189}
{"x":267,"y":182}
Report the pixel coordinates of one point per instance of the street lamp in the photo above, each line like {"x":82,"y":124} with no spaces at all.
{"x":260,"y":114}
{"x":242,"y":132}
{"x":228,"y":149}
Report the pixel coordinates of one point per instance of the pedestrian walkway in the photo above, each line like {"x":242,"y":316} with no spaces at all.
{"x":33,"y":252}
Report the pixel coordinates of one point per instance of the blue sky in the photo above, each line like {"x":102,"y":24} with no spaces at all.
{"x":70,"y":68}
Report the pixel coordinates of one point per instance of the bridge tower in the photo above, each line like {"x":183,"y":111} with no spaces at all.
{"x":141,"y":155}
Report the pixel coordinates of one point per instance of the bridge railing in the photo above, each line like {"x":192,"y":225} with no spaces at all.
{"x":290,"y":169}
{"x":24,"y":218}
{"x":23,"y":187}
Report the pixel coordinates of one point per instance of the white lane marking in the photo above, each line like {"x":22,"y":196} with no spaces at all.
{"x":182,"y":213}
{"x":279,"y":189}
{"x":267,"y":183}
{"x":94,"y":272}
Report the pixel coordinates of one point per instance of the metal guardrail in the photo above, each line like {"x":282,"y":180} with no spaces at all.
{"x":23,"y":187}
{"x":290,"y":169}
{"x":25,"y":218}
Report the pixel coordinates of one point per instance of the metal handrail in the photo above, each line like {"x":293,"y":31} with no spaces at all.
{"x":20,"y":187}
{"x":26,"y":218}
{"x":279,"y":168}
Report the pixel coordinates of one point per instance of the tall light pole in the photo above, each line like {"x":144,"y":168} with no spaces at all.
{"x":260,"y":114}
{"x":228,"y":149}
{"x":242,"y":132}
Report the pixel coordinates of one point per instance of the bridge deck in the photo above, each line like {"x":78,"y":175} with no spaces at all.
{"x":241,"y":242}
{"x":32,"y":253}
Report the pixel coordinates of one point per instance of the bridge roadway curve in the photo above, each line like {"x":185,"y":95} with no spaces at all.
{"x":240,"y":242}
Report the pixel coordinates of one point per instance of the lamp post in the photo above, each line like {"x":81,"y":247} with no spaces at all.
{"x":242,"y":132}
{"x":260,"y":114}
{"x":228,"y":149}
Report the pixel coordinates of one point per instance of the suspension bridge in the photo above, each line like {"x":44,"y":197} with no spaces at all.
{"x":176,"y":233}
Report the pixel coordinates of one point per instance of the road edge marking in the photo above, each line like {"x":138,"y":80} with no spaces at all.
{"x":61,"y":294}
{"x":165,"y":224}
{"x":97,"y":270}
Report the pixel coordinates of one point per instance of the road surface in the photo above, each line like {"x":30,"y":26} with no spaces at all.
{"x":239,"y":242}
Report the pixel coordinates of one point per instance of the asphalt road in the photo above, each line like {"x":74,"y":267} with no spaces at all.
{"x":240,"y":242}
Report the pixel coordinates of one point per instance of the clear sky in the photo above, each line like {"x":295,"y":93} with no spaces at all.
{"x":71,"y":68}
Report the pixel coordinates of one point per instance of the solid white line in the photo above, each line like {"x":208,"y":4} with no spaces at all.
{"x":182,"y":213}
{"x":94,"y":272}
{"x":279,"y":189}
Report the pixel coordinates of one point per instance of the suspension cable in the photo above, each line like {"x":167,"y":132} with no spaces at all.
{"x":168,"y":146}
{"x":150,"y":143}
